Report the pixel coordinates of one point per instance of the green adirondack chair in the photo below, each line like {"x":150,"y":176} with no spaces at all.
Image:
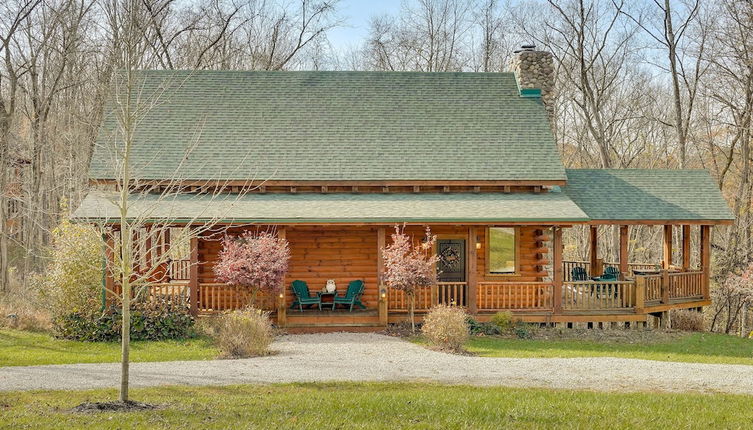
{"x":610,"y":274}
{"x":578,"y":274}
{"x":352,"y":296}
{"x":303,"y":297}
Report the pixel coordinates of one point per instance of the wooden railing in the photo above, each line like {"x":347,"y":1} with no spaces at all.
{"x":493,"y":296}
{"x":451,"y":293}
{"x":685,"y":284}
{"x":218,"y":297}
{"x":593,"y":295}
{"x":567,"y":267}
{"x":397,"y":300}
{"x":653,"y":287}
{"x":175,"y":293}
{"x":179,"y":270}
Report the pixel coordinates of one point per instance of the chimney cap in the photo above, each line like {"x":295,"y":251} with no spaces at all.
{"x":526,"y":47}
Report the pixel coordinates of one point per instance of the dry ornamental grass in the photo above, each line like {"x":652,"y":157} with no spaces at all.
{"x":244,"y":333}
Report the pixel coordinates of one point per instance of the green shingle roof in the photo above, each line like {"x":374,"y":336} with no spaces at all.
{"x":339,"y":208}
{"x":325,"y":126}
{"x":641,"y":194}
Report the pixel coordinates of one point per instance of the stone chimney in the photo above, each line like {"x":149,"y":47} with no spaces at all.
{"x":535,"y":69}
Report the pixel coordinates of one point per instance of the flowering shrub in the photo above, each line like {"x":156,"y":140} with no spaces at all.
{"x":446,"y":327}
{"x":408,"y":266}
{"x":258,"y":261}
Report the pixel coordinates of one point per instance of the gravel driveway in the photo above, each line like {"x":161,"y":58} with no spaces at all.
{"x":372,"y":357}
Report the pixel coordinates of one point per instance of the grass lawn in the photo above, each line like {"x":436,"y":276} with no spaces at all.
{"x":22,"y":348}
{"x":694,"y":348}
{"x":378,"y":405}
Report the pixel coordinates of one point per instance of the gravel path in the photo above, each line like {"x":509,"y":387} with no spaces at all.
{"x":372,"y":357}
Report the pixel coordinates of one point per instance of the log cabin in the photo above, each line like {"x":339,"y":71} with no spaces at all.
{"x":332,"y":161}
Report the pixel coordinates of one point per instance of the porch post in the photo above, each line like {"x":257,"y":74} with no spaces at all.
{"x":705,"y":258}
{"x":193,"y":279}
{"x":472,"y":269}
{"x":557,"y":277}
{"x":282,"y":306}
{"x":624,"y":268}
{"x":686,"y":248}
{"x":594,"y":250}
{"x":667,"y":257}
{"x":383,"y":310}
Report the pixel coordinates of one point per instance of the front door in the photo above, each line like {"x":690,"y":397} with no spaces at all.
{"x":451,"y":268}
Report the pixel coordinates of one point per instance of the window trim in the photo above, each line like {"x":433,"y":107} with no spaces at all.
{"x":487,"y":243}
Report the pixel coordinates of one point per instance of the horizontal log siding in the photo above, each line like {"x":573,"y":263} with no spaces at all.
{"x":342,"y":253}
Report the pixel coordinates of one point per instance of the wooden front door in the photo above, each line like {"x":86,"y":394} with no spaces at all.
{"x":451,"y":266}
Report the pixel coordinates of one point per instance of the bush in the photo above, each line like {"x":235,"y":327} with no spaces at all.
{"x":19,"y":309}
{"x":154,"y":320}
{"x":244,"y":333}
{"x":482,"y":328}
{"x":446,"y":327}
{"x":503,"y":320}
{"x":686,"y":320}
{"x":72,"y":282}
{"x":522,"y":331}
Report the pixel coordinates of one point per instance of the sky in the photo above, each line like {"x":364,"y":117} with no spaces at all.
{"x":356,"y":14}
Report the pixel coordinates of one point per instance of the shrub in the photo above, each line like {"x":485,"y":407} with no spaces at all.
{"x":482,"y":328}
{"x":244,"y":333}
{"x":503,"y":320}
{"x":19,"y":309}
{"x":686,"y":320}
{"x":522,"y":331}
{"x":154,"y":320}
{"x":72,"y":282}
{"x":446,"y":327}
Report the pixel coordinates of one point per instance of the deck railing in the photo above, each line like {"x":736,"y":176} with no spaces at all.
{"x":593,"y":295}
{"x":449,"y":293}
{"x":685,"y":284}
{"x":217,"y":297}
{"x":492,"y":296}
{"x":179,"y":270}
{"x":653,"y":287}
{"x":173,"y":292}
{"x":568,"y":265}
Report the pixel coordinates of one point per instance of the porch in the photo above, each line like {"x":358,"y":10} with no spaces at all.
{"x":539,"y":291}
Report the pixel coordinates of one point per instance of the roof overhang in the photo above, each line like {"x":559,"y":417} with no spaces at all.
{"x":648,"y":197}
{"x":553,"y":208}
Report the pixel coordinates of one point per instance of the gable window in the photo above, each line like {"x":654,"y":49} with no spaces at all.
{"x":501,"y":258}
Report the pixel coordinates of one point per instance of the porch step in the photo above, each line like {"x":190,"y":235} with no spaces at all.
{"x":332,"y":318}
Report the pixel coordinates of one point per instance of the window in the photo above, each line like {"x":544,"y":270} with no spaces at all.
{"x":501,"y":250}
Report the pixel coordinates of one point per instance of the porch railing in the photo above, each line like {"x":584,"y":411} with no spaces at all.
{"x":592,"y":295}
{"x":685,"y":284}
{"x":493,"y":296}
{"x":179,"y":270}
{"x":568,"y":265}
{"x":653,"y":287}
{"x":217,"y":297}
{"x":173,"y":292}
{"x":450,"y":293}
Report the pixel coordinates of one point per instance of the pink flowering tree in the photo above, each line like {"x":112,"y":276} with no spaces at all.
{"x":409,"y":266}
{"x":258,"y":261}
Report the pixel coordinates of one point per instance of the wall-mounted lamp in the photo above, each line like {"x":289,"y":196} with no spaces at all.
{"x":478,"y":245}
{"x":281,"y":295}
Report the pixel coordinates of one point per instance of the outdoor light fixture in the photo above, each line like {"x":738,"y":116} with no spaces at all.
{"x":478,"y":245}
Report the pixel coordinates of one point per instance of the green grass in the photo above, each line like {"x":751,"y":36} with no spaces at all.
{"x":379,"y":405}
{"x":693,"y":348}
{"x":22,"y":348}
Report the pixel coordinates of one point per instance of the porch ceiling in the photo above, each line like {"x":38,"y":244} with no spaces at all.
{"x":547,"y":207}
{"x":651,"y":196}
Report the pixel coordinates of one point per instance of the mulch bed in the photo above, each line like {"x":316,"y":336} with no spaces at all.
{"x":116,"y":406}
